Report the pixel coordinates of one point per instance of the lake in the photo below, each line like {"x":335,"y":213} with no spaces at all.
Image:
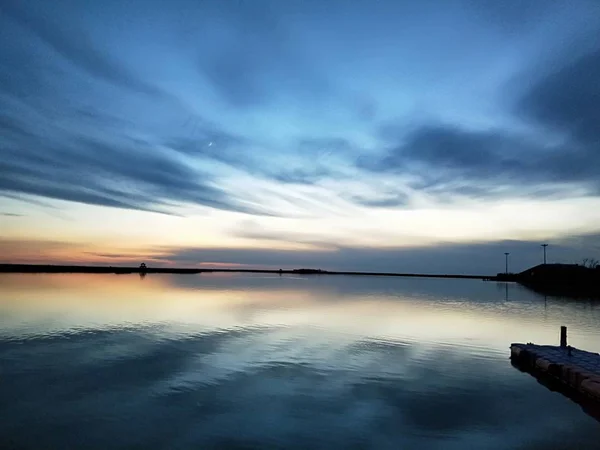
{"x":252,"y":361}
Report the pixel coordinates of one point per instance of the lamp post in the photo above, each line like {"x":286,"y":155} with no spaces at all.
{"x":506,"y":262}
{"x":544,"y":245}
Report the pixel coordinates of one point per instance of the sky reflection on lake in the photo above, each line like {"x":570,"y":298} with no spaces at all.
{"x":250,"y":361}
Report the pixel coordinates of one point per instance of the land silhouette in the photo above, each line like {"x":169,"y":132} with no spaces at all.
{"x":569,"y":280}
{"x":143,"y":268}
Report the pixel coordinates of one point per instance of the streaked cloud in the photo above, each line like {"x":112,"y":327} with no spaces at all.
{"x":325,"y":126}
{"x":71,"y":42}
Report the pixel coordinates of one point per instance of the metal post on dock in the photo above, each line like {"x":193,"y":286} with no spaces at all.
{"x":563,"y":336}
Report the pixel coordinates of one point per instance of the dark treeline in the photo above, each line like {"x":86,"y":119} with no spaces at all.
{"x":43,"y":268}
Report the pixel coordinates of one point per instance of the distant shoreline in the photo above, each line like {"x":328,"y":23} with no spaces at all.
{"x":44,"y":268}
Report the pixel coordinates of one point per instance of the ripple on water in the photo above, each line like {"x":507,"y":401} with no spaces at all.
{"x":325,"y":364}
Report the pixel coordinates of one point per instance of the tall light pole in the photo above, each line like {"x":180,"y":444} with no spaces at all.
{"x":544,"y":245}
{"x":506,"y":262}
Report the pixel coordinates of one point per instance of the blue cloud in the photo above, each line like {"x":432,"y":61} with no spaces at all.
{"x":73,"y":44}
{"x":562,"y":100}
{"x":293,"y":92}
{"x":109,"y":172}
{"x":471,"y":258}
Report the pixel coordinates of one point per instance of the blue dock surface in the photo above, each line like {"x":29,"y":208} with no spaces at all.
{"x":571,"y":371}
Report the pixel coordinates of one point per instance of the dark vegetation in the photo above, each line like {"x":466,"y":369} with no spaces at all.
{"x":143,"y":269}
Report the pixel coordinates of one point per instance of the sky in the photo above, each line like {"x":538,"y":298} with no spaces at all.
{"x":344,"y":135}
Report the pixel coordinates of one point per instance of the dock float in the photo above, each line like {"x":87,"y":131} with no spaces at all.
{"x":573,"y":372}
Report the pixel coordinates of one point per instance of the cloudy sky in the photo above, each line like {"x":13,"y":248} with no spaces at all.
{"x":377,"y":135}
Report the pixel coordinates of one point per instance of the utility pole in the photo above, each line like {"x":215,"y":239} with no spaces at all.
{"x":506,"y":257}
{"x":544,"y":245}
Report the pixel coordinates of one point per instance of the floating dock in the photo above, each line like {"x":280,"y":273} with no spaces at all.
{"x":568,"y":370}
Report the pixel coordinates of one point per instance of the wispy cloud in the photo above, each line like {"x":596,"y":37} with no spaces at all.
{"x":276,"y":110}
{"x":479,"y":161}
{"x":258,"y":61}
{"x":118,"y":174}
{"x":72,"y":43}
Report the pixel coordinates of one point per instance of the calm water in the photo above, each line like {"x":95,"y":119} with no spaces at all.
{"x":237,"y":361}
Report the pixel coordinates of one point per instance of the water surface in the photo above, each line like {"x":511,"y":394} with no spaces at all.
{"x":252,"y":361}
